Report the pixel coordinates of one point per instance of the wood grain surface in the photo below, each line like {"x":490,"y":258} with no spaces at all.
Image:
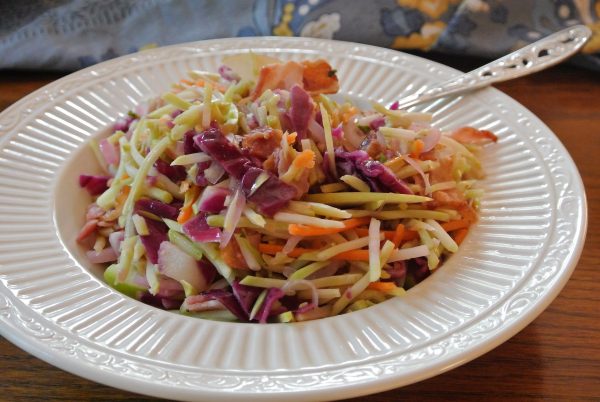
{"x":557,"y":357}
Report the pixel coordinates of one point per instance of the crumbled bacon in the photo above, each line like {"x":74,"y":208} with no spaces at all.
{"x":315,"y":76}
{"x":261,"y":143}
{"x":232,"y":255}
{"x":319,"y":77}
{"x":470,"y":135}
{"x":278,"y":76}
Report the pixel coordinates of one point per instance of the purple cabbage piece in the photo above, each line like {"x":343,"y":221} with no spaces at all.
{"x":418,"y":269}
{"x":157,"y":234}
{"x":376,"y":123}
{"x":94,"y":184}
{"x":228,"y":74}
{"x":273,"y":295}
{"x":286,"y":122}
{"x":300,"y":110}
{"x":175,"y":173}
{"x":170,"y":304}
{"x":338,"y":132}
{"x":201,"y":179}
{"x":163,"y":303}
{"x":198,"y":230}
{"x":379,"y":177}
{"x":249,"y":178}
{"x":208,"y":271}
{"x":397,"y":272}
{"x":157,"y":208}
{"x":123,"y":123}
{"x":151,"y":300}
{"x":226,"y":298}
{"x":212,"y":199}
{"x":170,"y":288}
{"x":246,"y":295}
{"x":189,"y":146}
{"x":270,"y":197}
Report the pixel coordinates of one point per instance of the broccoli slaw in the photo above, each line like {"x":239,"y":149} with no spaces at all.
{"x":251,"y":195}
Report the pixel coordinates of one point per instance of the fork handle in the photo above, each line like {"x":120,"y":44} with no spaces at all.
{"x":537,"y":56}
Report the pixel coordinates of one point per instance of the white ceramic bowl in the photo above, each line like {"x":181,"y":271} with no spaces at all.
{"x":54,"y":304}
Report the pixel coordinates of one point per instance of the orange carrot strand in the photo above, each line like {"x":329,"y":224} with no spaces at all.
{"x":455,"y":225}
{"x":296,"y":229}
{"x":352,"y":255}
{"x":410,"y":235}
{"x":184,"y":214}
{"x":398,"y":235}
{"x":362,"y":232}
{"x":382,"y":286}
{"x":460,"y":235}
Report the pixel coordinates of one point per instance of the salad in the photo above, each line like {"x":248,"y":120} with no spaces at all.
{"x":252,"y":195}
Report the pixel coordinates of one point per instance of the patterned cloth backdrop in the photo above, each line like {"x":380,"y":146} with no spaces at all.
{"x":68,"y":35}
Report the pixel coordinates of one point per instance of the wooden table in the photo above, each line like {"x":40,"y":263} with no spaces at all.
{"x":557,"y":357}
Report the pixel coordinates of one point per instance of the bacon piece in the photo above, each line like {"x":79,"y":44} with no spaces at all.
{"x":315,"y":76}
{"x":319,"y":77}
{"x":261,"y":143}
{"x":278,"y":76}
{"x":87,"y":229}
{"x":94,"y":212}
{"x":470,"y":135}
{"x":451,"y":197}
{"x":232,"y":255}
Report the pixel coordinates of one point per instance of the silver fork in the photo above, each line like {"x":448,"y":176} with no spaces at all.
{"x":537,"y":56}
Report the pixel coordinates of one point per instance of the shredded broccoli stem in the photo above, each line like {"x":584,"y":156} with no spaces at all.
{"x":124,"y":265}
{"x":211,"y":251}
{"x":258,"y":304}
{"x":206,"y":111}
{"x":137,"y":187}
{"x":412,"y":213}
{"x":350,"y":294}
{"x":309,"y":269}
{"x":328,"y":140}
{"x":356,"y":183}
{"x":360,"y":198}
{"x":185,"y":244}
{"x":176,"y":101}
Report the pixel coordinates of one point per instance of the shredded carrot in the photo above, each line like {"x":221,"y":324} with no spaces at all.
{"x":468,"y":213}
{"x":201,"y":84}
{"x":296,"y":229}
{"x":184,"y":214}
{"x":123,"y":195}
{"x":410,"y":235}
{"x":417,"y":148}
{"x":346,"y":116}
{"x":398,"y":235}
{"x":232,"y":255}
{"x":362,"y":232}
{"x":273,"y":249}
{"x":382,"y":286}
{"x":291,"y":138}
{"x":455,"y":225}
{"x":460,"y":235}
{"x":352,"y":255}
{"x":305,"y":159}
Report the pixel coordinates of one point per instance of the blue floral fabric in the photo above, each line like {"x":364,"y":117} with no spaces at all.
{"x":71,"y":34}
